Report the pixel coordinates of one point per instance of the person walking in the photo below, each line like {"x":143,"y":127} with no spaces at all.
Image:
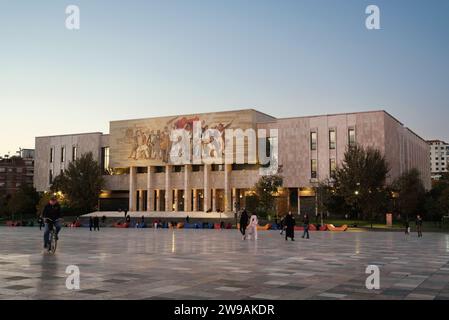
{"x":243,"y":223}
{"x":253,"y":222}
{"x":289,"y":223}
{"x":96,"y":223}
{"x":306,"y":226}
{"x":419,"y":225}
{"x":91,"y":223}
{"x":41,"y":222}
{"x":407,"y":229}
{"x":282,"y":225}
{"x":187,"y":219}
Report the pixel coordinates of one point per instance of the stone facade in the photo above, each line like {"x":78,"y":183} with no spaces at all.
{"x":306,"y":144}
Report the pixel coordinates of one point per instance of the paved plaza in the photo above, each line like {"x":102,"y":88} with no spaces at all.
{"x":217,"y":264}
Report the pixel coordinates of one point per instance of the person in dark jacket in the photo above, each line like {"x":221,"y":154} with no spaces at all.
{"x":289,"y":223}
{"x":52,"y":211}
{"x":419,"y":225}
{"x":243,"y":223}
{"x":41,"y":222}
{"x":96,"y":223}
{"x":282,"y":225}
{"x":407,"y":228}
{"x":306,"y":226}
{"x":91,"y":223}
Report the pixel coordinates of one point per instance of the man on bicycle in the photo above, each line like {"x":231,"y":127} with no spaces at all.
{"x":51,"y":211}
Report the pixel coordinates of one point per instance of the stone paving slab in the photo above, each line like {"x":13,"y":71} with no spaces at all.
{"x":217,"y":264}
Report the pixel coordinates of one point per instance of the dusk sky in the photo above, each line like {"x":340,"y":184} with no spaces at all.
{"x":135,"y":59}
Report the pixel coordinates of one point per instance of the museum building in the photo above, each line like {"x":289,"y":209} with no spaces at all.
{"x":140,"y":175}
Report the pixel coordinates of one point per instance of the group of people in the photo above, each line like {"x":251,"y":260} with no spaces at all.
{"x":94,"y":223}
{"x":288,"y":224}
{"x":248,"y":225}
{"x":418,"y":223}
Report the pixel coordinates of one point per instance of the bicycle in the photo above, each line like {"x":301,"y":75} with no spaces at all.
{"x":53,"y":238}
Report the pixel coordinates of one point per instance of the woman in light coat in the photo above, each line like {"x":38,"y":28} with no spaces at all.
{"x":252,"y":227}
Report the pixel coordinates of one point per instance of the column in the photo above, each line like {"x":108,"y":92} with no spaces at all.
{"x":206,"y":187}
{"x":141,"y":200}
{"x":187,"y":188}
{"x":150,"y":189}
{"x":158,"y":200}
{"x":299,"y":201}
{"x":176,"y":199}
{"x":288,"y":199}
{"x":227,"y":188}
{"x":234,"y":199}
{"x":132,"y":188}
{"x":214,"y":200}
{"x":195,"y":199}
{"x":168,"y":190}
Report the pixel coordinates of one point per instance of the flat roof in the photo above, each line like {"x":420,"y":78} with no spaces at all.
{"x":70,"y":134}
{"x":200,"y":113}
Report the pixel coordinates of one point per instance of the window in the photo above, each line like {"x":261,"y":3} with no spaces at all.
{"x":74,"y":153}
{"x":50,"y":176}
{"x":244,"y":166}
{"x":332,"y":165}
{"x":351,"y":137}
{"x":313,"y":168}
{"x":2,"y":169}
{"x":332,"y":139}
{"x":178,"y":169}
{"x":197,"y":168}
{"x":217,"y":167}
{"x":62,"y":154}
{"x":313,"y":140}
{"x":19,"y":170}
{"x":159,"y":169}
{"x":105,"y":159}
{"x":2,"y":184}
{"x":51,"y":154}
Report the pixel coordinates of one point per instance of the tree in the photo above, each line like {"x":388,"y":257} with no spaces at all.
{"x":360,"y":181}
{"x":437,"y":199}
{"x":23,"y":201}
{"x":411,"y":193}
{"x":265,"y":190}
{"x":81,"y":183}
{"x":3,"y":205}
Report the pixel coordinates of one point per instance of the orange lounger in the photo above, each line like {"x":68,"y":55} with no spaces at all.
{"x":331,"y":227}
{"x":180,"y":225}
{"x":265,"y":227}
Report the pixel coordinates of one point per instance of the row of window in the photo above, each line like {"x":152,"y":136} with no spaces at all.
{"x":314,"y":167}
{"x":332,"y":139}
{"x":16,"y":170}
{"x":63,"y":154}
{"x":16,"y":185}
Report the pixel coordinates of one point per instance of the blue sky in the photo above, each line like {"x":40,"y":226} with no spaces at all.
{"x":134,"y":59}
